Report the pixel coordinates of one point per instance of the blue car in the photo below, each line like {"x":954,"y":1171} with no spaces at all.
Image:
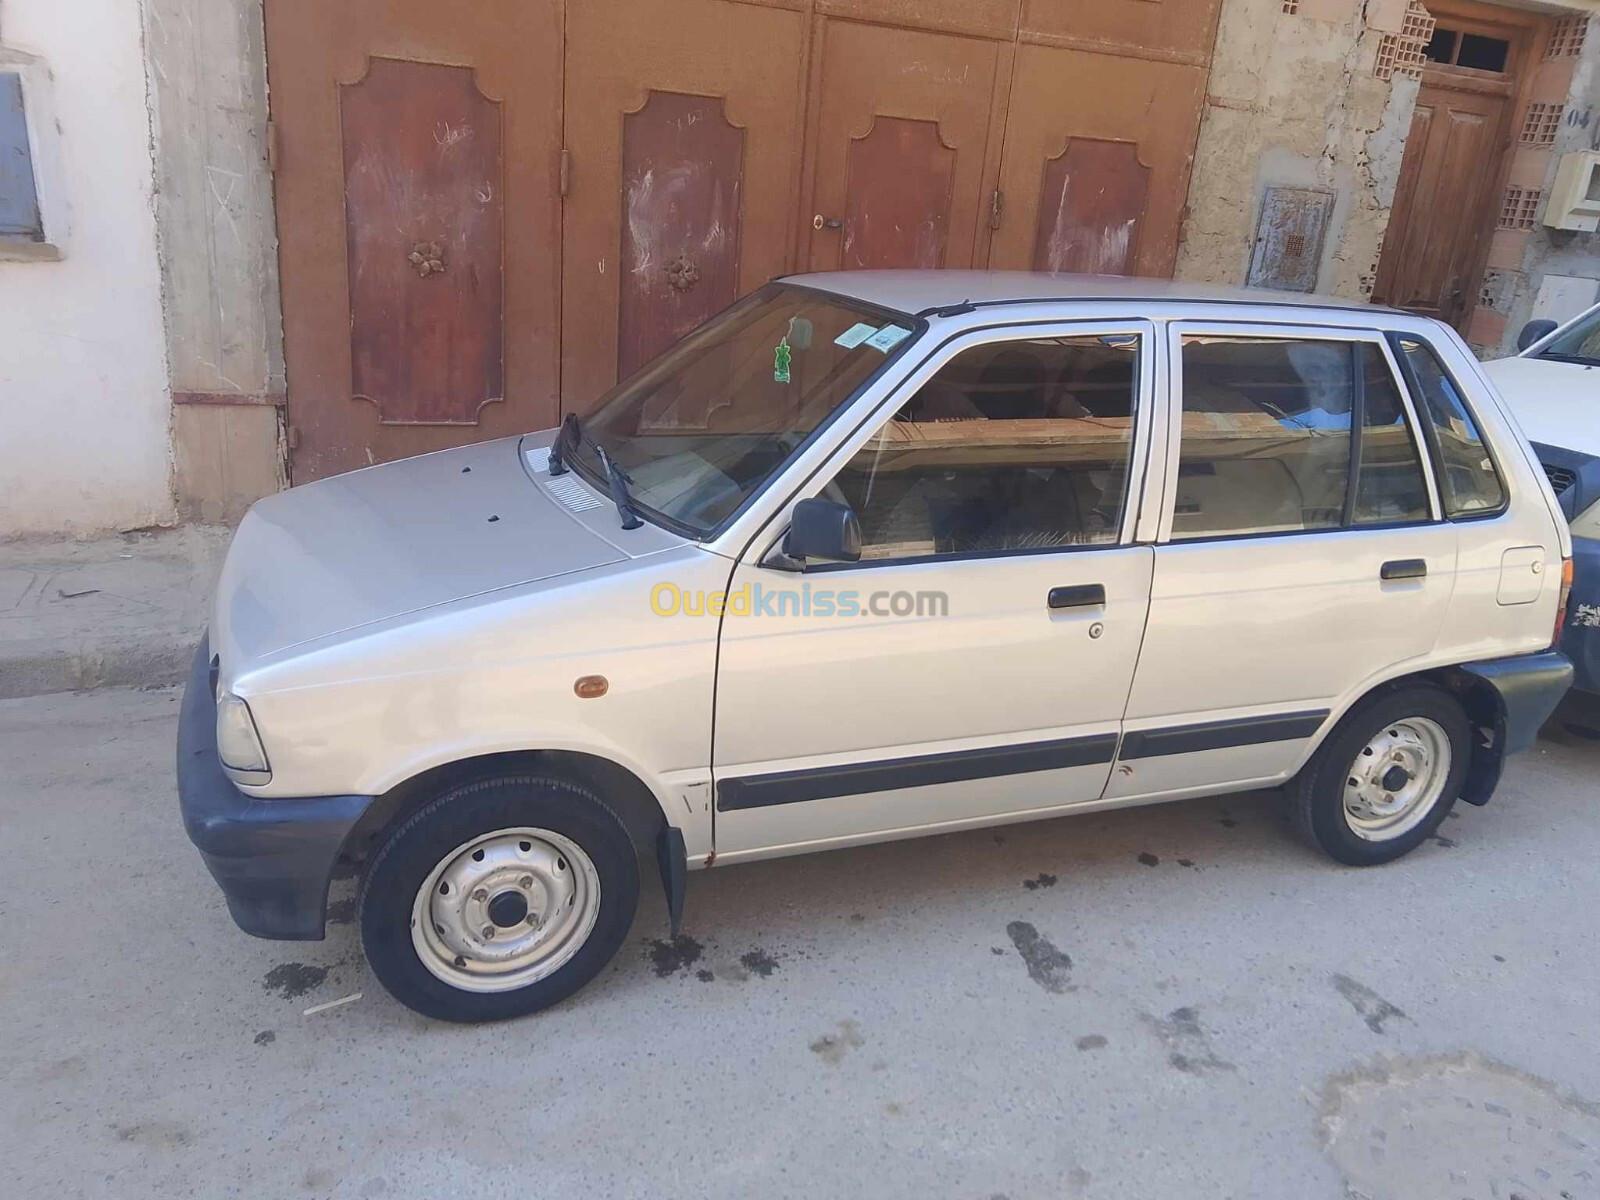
{"x":1553,"y":388}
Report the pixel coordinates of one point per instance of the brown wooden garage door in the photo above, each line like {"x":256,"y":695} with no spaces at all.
{"x":489,"y":213}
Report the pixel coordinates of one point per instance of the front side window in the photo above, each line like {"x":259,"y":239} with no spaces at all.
{"x":1015,"y":445}
{"x":1468,"y":482}
{"x":702,"y":428}
{"x":1285,"y":435}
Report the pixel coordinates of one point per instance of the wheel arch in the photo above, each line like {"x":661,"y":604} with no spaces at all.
{"x":640,"y":809}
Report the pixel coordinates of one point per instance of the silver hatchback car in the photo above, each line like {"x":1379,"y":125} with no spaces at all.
{"x":869,"y":556}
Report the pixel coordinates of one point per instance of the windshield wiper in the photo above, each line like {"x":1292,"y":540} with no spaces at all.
{"x":619,"y":490}
{"x":1580,"y":360}
{"x":558,"y":448}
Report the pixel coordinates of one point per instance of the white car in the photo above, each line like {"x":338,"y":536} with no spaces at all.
{"x":1553,"y":390}
{"x":869,"y":556}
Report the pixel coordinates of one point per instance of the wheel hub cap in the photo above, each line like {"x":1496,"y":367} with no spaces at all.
{"x":505,"y":910}
{"x":1396,"y":779}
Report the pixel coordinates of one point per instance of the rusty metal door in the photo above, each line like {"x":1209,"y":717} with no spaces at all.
{"x":906,"y":147}
{"x":683,"y":135}
{"x":1098,"y":150}
{"x":418,"y":223}
{"x":1433,"y":254}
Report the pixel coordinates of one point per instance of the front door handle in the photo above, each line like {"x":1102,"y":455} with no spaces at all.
{"x":1083,"y":595}
{"x":1404,"y":568}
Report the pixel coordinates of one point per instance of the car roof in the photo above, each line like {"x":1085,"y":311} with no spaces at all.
{"x":920,"y":291}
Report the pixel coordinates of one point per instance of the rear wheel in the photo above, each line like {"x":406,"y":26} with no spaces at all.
{"x":1385,"y":777}
{"x":499,"y":898}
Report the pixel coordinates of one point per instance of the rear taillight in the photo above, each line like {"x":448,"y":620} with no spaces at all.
{"x":1566,"y":594}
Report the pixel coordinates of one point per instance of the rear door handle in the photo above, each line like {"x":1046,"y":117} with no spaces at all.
{"x":1404,"y":568}
{"x":1083,"y":595}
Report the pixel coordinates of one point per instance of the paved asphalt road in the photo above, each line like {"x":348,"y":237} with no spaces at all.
{"x":1168,"y":1002}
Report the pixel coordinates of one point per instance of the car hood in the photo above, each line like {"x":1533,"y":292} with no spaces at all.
{"x":390,"y":540}
{"x":1555,"y":403}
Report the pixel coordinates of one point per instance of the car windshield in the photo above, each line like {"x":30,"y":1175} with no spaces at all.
{"x":1580,"y":343}
{"x":701,"y":430}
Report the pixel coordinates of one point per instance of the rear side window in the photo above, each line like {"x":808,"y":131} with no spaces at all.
{"x":1287,"y":435}
{"x":1469,"y":484}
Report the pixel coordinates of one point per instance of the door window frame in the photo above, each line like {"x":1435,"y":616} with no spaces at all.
{"x":1430,"y":432}
{"x":1180,"y":329}
{"x":874,"y":414}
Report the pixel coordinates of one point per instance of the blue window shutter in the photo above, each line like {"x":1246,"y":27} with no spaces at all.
{"x":19,"y":195}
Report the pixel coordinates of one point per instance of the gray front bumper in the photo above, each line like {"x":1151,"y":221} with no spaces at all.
{"x":272,"y":858}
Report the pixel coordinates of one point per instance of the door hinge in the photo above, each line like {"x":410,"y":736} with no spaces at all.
{"x":272,"y":147}
{"x":997,"y":204}
{"x":292,"y":436}
{"x":565,"y":172}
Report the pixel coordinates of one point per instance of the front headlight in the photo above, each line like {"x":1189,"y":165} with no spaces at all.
{"x":1587,"y":523}
{"x":238,"y":743}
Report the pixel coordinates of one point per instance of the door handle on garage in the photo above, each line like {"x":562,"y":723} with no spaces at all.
{"x":1404,"y":568}
{"x":1083,"y":595}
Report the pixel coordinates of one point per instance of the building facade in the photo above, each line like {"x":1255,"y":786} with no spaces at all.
{"x":381,"y":227}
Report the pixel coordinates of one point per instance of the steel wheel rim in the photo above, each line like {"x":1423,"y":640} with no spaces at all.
{"x":1379,"y":805}
{"x":505,"y":909}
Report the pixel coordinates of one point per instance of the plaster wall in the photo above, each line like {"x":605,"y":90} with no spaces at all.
{"x":84,"y":409}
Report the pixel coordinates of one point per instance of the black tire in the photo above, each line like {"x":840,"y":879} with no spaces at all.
{"x":1317,"y":794}
{"x":470,"y":810}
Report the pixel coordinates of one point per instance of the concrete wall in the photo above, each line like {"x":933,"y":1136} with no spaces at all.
{"x":1554,"y":273}
{"x":84,"y":410}
{"x":1293,"y":100}
{"x":219,"y":252}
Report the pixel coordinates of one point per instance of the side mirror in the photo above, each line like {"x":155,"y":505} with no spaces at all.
{"x":824,"y":530}
{"x":1534,"y":331}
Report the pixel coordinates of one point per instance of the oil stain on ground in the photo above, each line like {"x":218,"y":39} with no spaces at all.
{"x":293,"y":980}
{"x":1041,"y":880}
{"x":1047,"y":966}
{"x":759,"y":962}
{"x":832,"y":1047}
{"x":679,"y":954}
{"x":1188,"y":1044}
{"x":1373,"y":1008}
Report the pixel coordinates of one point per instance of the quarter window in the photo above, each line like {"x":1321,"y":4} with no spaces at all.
{"x":1017,"y":445}
{"x":1469,"y":483}
{"x":1269,"y":439}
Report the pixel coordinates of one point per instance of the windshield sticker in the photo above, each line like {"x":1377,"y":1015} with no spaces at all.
{"x":887,"y":338}
{"x":855,"y":335}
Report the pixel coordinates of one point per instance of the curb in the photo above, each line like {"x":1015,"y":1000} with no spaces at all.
{"x":148,"y":663}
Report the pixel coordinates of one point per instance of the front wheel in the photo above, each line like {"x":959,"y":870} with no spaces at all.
{"x":499,"y":898}
{"x":1385,"y":777}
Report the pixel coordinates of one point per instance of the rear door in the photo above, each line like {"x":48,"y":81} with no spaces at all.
{"x":1301,"y":553}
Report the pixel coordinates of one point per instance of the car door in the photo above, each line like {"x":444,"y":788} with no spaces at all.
{"x":974,"y":664}
{"x":1301,"y":555}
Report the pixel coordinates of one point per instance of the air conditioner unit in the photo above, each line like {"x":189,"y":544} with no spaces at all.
{"x":1575,"y":196}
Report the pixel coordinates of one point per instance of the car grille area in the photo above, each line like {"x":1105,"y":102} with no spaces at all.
{"x":1561,"y":478}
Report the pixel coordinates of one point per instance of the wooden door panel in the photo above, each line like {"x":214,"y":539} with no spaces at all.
{"x":683,"y":125}
{"x":1178,"y":29}
{"x":372,"y":101}
{"x":1092,"y":209}
{"x":423,"y":188}
{"x":1098,"y":151}
{"x":897,"y":196}
{"x":1433,"y":250}
{"x":902,"y":147}
{"x":682,"y":168}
